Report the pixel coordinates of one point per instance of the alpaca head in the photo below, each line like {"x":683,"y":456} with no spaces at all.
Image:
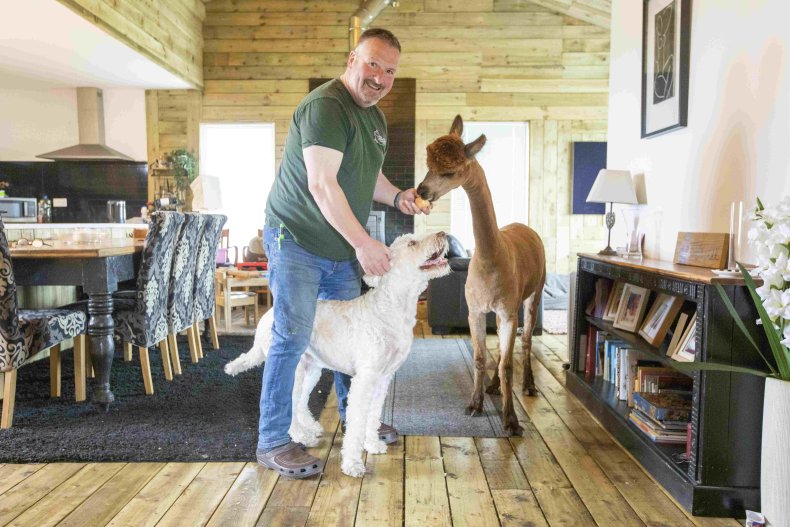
{"x":449,"y":162}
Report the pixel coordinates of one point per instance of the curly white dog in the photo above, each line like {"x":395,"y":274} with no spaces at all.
{"x":368,"y":338}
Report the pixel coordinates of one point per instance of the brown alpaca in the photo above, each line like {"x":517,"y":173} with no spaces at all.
{"x":508,"y":268}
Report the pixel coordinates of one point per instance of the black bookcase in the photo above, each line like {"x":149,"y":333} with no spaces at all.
{"x":722,"y":475}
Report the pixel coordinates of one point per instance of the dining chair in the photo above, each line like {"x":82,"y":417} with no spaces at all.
{"x":143,"y":321}
{"x":26,"y":333}
{"x":180,"y":298}
{"x":205,"y":287}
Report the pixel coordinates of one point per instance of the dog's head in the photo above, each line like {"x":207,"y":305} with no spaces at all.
{"x":416,"y":259}
{"x":449,"y":161}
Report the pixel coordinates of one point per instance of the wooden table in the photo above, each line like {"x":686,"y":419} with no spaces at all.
{"x":98,"y":268}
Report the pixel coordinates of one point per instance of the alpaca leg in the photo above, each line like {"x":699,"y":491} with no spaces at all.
{"x":530,"y":318}
{"x":507,"y":339}
{"x":493,"y":386}
{"x":374,"y":445}
{"x":362,"y":385}
{"x":477,"y":327}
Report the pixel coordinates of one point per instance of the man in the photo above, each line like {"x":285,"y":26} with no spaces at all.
{"x":314,"y":235}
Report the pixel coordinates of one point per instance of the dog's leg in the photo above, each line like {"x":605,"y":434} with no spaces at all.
{"x":297,"y":433}
{"x":362,"y":386}
{"x":530,"y":318}
{"x":374,"y":445}
{"x":507,"y":339}
{"x":477,"y":327}
{"x":306,"y":419}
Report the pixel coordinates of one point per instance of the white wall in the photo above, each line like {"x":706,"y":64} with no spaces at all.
{"x":737,"y":142}
{"x":36,"y":121}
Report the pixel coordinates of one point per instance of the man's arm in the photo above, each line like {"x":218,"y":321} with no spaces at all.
{"x":385,"y":193}
{"x":322,"y":165}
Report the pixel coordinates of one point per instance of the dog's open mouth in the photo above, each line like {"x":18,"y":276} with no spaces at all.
{"x":437,"y":259}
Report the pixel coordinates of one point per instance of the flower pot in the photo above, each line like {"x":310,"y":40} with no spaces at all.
{"x":775,"y":456}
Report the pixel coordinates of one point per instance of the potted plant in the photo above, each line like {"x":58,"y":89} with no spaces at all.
{"x":770,"y":236}
{"x":185,"y":169}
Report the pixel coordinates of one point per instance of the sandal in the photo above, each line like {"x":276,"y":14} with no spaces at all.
{"x":291,"y":460}
{"x":387,"y":433}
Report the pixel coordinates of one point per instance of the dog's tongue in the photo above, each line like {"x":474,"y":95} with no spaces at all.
{"x":433,"y":262}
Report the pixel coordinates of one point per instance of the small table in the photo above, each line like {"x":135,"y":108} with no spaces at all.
{"x":229,"y":278}
{"x":98,"y":268}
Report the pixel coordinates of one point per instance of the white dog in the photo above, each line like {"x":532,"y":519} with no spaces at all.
{"x":368,"y":338}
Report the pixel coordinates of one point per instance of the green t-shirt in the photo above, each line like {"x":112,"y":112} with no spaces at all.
{"x":328,"y":117}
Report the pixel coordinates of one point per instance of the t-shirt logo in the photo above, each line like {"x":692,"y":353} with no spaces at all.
{"x":379,"y":138}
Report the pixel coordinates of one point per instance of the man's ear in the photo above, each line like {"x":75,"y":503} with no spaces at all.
{"x":372,"y":280}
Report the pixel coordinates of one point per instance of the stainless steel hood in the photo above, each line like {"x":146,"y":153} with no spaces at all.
{"x":90,"y":119}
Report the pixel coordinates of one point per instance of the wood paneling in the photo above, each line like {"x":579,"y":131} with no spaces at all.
{"x":168,"y":33}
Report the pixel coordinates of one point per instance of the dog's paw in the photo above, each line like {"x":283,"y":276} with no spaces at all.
{"x":376,"y":446}
{"x":355,"y":469}
{"x":231,"y":370}
{"x":312,"y":426}
{"x":299,"y":435}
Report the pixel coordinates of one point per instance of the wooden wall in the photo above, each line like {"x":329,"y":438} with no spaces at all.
{"x":170,"y":33}
{"x":488,"y":60}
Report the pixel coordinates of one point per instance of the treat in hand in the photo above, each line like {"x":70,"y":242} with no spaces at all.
{"x":422,"y":203}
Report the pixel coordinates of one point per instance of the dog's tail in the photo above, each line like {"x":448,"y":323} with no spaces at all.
{"x":259,"y":350}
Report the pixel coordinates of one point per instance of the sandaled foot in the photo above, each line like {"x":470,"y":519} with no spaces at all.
{"x":291,"y":461}
{"x":387,"y":433}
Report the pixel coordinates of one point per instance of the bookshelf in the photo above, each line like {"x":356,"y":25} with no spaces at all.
{"x":722,"y":474}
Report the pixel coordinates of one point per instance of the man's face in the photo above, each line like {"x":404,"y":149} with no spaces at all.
{"x":370,"y":71}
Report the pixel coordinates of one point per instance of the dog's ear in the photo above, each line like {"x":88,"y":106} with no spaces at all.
{"x":372,"y":280}
{"x":475,"y":146}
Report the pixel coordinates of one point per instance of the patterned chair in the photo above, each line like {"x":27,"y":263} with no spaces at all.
{"x":180,"y":299}
{"x":24,"y":333}
{"x":143,"y":321}
{"x":205,"y":285}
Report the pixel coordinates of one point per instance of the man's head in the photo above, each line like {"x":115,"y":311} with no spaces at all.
{"x":371,"y":67}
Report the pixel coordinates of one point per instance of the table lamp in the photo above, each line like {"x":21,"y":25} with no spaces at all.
{"x":612,"y":186}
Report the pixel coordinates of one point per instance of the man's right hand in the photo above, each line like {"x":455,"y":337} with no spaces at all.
{"x":374,"y":257}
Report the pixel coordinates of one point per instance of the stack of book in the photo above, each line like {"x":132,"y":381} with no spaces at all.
{"x":663,"y":417}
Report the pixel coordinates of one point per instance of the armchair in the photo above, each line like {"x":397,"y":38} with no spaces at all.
{"x":447,"y":309}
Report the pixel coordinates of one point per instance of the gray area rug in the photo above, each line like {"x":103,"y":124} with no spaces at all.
{"x":429,"y":393}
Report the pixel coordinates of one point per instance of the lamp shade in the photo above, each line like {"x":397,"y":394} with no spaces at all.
{"x":612,"y":186}
{"x":206,"y":194}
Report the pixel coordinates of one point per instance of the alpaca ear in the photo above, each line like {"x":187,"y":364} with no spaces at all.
{"x":458,"y":126}
{"x":475,"y":146}
{"x":372,"y":280}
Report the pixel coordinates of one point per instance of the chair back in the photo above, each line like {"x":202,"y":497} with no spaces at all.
{"x":13,"y":351}
{"x":153,"y":279}
{"x":205,"y":287}
{"x":180,"y":299}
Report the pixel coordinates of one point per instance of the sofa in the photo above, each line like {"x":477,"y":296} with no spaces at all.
{"x":446,"y":301}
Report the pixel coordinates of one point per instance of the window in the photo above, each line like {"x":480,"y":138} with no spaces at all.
{"x":505,"y":159}
{"x":241,"y":156}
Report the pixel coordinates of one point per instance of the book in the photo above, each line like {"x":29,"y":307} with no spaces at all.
{"x":664,"y":406}
{"x":656,"y":435}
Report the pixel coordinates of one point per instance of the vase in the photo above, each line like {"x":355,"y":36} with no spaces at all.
{"x":775,"y":454}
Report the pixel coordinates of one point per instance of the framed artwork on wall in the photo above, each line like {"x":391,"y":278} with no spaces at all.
{"x":666,"y":31}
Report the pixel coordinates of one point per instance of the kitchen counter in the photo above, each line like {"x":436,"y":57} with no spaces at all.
{"x":37,"y":226}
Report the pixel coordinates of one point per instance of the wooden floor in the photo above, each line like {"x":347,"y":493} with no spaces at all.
{"x":566,"y":470}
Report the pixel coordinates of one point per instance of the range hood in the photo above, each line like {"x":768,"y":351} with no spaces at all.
{"x":90,"y":119}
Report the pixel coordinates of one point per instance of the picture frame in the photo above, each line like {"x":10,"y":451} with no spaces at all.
{"x":660,"y":317}
{"x":610,"y":313}
{"x":666,"y":32}
{"x":687,"y":349}
{"x":632,"y":307}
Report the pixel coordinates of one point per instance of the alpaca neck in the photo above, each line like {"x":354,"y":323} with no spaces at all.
{"x":484,"y":224}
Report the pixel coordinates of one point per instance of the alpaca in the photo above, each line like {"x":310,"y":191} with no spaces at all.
{"x":507,"y":270}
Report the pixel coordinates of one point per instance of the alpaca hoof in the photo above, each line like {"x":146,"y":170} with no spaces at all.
{"x":355,"y":469}
{"x":494,"y":389}
{"x":532,"y":392}
{"x":474,"y":410}
{"x":376,"y":446}
{"x":514,"y":429}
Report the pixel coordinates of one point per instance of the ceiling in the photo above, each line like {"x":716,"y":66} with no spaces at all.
{"x":44,"y":45}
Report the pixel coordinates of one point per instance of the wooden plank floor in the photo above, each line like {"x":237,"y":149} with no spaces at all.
{"x":565,"y":471}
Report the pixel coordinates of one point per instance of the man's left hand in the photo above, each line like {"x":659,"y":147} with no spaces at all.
{"x":407,"y":205}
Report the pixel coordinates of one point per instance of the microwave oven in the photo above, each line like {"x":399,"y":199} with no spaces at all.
{"x":19,"y":210}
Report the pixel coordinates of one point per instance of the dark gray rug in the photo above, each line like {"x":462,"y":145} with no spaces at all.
{"x":431,"y":390}
{"x":203,"y":415}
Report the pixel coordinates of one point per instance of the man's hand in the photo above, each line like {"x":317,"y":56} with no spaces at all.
{"x":407,"y":204}
{"x":374,"y":257}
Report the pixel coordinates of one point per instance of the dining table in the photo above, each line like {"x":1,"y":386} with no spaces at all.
{"x":98,"y":267}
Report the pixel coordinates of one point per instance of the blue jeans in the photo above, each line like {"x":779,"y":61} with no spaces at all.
{"x":297,"y":279}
